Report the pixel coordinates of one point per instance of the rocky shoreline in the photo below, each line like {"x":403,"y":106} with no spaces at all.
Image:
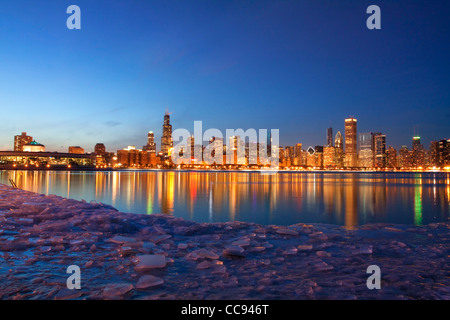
{"x":132,"y":256}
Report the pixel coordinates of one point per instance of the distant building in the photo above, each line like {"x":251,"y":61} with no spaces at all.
{"x":416,"y":144}
{"x":329,"y":157}
{"x":351,"y":143}
{"x":434,"y":154}
{"x":444,"y":152}
{"x":282,"y":159}
{"x":151,"y":145}
{"x":330,"y":137}
{"x":99,"y":149}
{"x":100,"y":154}
{"x":404,"y":158}
{"x":365,"y":150}
{"x":129,"y":157}
{"x":21,"y":140}
{"x":34,"y":146}
{"x":380,"y":151}
{"x":236,"y":151}
{"x":339,"y":145}
{"x":391,"y":158}
{"x":269,"y":143}
{"x":319,"y":156}
{"x":166,"y":139}
{"x":298,"y":154}
{"x":417,"y":153}
{"x":76,"y":149}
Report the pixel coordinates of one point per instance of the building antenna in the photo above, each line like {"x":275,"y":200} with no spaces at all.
{"x":167,"y":111}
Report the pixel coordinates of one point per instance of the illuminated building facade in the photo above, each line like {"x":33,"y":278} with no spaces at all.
{"x":417,"y":153}
{"x":365,"y":150}
{"x":76,"y":149}
{"x":330,"y":137}
{"x":34,"y":146}
{"x":444,"y":153}
{"x":339,"y":145}
{"x":298,"y":155}
{"x":329,"y":157}
{"x":351,"y":156}
{"x":391,"y":158}
{"x":319,"y":156}
{"x":21,"y":140}
{"x":404,"y":158}
{"x":380,"y":151}
{"x":434,"y":154}
{"x":166,"y":139}
{"x":151,"y":145}
{"x":50,"y":160}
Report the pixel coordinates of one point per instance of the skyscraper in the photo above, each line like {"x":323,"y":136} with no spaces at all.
{"x":339,"y":145}
{"x":269,"y":143}
{"x":416,"y":143}
{"x":418,"y":154}
{"x":404,"y":158}
{"x":391,"y":157}
{"x":20,"y":141}
{"x":365,"y":150}
{"x":351,"y":143}
{"x":380,"y":151}
{"x":434,"y":154}
{"x":166,"y":139}
{"x":330,"y":137}
{"x":298,"y":154}
{"x":444,"y":152}
{"x":151,"y":145}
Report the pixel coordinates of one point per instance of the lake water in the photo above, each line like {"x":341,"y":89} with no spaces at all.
{"x":343,"y":198}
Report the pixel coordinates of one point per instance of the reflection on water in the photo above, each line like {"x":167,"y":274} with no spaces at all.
{"x":348,"y":199}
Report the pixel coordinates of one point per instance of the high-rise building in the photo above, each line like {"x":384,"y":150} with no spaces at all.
{"x":151,"y":145}
{"x":269,"y":143}
{"x":330,"y":137}
{"x":404,"y":158}
{"x":416,"y":144}
{"x":417,"y":153}
{"x":21,"y":140}
{"x":444,"y":152}
{"x":166,"y":139}
{"x":236,"y":149}
{"x":282,"y":159}
{"x":434,"y":154}
{"x":373,"y":144}
{"x":351,"y":156}
{"x":339,"y":145}
{"x":365,"y":150}
{"x":319,"y":156}
{"x":380,"y":151}
{"x":329,"y":157}
{"x":391,"y":158}
{"x":298,"y":154}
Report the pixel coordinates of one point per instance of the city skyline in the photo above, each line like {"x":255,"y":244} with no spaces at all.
{"x":294,"y":66}
{"x":354,"y":150}
{"x":353,"y":141}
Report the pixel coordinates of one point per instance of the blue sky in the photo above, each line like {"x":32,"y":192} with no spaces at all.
{"x":298,"y":66}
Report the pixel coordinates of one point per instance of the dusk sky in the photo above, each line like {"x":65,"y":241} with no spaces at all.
{"x":297,"y":66}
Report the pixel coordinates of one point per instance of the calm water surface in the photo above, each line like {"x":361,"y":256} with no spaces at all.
{"x":343,"y":198}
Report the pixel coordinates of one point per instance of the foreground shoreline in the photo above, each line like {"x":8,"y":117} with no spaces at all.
{"x":131,"y":256}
